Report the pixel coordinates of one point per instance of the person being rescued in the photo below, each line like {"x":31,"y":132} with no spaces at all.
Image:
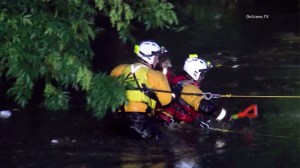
{"x":139,"y":78}
{"x":165,"y":65}
{"x":188,"y":103}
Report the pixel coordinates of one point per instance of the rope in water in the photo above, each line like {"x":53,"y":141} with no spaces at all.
{"x":205,"y":125}
{"x":258,"y":134}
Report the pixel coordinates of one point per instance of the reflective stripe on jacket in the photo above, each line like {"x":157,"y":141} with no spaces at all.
{"x":137,"y":100}
{"x":140,"y":71}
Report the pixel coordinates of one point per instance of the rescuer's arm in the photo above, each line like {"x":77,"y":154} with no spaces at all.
{"x":158,"y":80}
{"x":200,"y":104}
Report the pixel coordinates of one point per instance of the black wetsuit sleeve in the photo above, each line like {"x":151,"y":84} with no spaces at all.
{"x":208,"y":108}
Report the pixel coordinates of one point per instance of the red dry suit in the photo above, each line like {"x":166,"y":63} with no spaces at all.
{"x":179,"y":110}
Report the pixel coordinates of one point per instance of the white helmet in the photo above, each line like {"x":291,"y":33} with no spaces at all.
{"x":194,"y":66}
{"x":146,"y":50}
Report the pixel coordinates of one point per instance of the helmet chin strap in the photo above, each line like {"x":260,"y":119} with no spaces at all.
{"x":152,"y":66}
{"x":193,"y":81}
{"x":146,"y":63}
{"x":186,"y":74}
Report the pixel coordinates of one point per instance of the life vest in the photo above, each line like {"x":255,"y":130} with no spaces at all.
{"x":179,"y":110}
{"x":134,"y":79}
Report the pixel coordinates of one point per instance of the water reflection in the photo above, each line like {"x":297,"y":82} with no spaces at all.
{"x":56,"y":141}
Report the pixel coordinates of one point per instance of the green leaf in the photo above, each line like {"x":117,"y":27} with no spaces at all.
{"x":55,"y":98}
{"x":49,"y":42}
{"x":106,"y":93}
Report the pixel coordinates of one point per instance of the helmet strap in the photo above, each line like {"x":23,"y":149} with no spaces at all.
{"x":189,"y":76}
{"x":145,"y":63}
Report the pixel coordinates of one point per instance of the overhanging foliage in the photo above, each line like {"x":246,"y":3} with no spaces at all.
{"x":50,"y":41}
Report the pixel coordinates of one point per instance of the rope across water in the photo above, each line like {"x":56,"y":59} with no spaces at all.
{"x":256,"y":96}
{"x":208,"y":95}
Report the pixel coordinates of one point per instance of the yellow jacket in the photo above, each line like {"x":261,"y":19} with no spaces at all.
{"x":138,"y":101}
{"x":192,"y":100}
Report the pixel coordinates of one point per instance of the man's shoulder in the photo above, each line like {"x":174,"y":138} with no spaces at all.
{"x":118,"y":69}
{"x":191,"y":88}
{"x":122,"y":66}
{"x":155,"y":72}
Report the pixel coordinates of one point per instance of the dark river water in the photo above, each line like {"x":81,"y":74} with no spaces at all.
{"x":263,"y":63}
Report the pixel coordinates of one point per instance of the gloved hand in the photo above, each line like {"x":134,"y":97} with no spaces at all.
{"x":150,"y":93}
{"x":208,"y":108}
{"x":177,"y":89}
